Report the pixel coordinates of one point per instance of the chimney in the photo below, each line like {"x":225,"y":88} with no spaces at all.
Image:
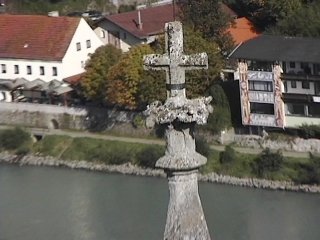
{"x":53,"y":14}
{"x":139,"y":20}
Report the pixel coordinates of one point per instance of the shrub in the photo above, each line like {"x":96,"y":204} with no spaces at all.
{"x":138,"y":121}
{"x":148,"y":156}
{"x":11,"y":139}
{"x":267,"y":162}
{"x":310,"y":131}
{"x":309,"y":173}
{"x":229,"y":155}
{"x":202,"y":147}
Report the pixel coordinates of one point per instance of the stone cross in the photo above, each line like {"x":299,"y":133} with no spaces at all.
{"x":185,"y":218}
{"x":174,"y":62}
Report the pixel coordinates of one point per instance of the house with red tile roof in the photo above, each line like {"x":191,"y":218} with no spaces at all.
{"x":45,"y":48}
{"x":144,"y":25}
{"x":131,"y":28}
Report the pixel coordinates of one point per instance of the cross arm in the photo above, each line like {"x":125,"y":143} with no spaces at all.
{"x":156,"y":62}
{"x":195,"y":61}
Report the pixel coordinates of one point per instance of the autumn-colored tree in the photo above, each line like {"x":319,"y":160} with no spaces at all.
{"x":94,"y":82}
{"x":126,"y":77}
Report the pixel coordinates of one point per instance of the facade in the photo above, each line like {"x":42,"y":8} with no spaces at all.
{"x":44,"y":48}
{"x":279,"y":81}
{"x":131,"y":28}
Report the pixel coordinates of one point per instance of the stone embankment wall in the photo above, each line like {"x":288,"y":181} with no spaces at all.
{"x":60,"y":117}
{"x":294,"y":144}
{"x":135,"y":170}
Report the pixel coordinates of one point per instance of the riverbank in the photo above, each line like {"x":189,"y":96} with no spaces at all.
{"x":131,"y":169}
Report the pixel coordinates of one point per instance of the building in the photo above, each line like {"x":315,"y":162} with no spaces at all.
{"x":279,"y":80}
{"x":131,"y":28}
{"x":145,"y":24}
{"x":43,"y":48}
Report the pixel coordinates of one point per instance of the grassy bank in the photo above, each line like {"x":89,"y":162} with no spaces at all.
{"x":269,"y":165}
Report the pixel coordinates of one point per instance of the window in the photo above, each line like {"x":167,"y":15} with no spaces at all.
{"x":293,"y":84}
{"x":305,"y":84}
{"x":260,"y":86}
{"x":29,"y":70}
{"x":124,"y":35}
{"x":292,"y":65}
{"x":78,"y":46}
{"x":261,"y":108}
{"x":54,"y":71}
{"x":3,"y":68}
{"x":88,"y":42}
{"x":303,"y":65}
{"x":41,"y":70}
{"x":295,"y":109}
{"x":16,"y":69}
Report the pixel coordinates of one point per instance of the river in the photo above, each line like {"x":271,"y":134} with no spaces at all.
{"x":43,"y":203}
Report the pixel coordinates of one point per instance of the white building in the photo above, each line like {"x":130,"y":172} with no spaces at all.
{"x":44,"y":47}
{"x":279,"y":80}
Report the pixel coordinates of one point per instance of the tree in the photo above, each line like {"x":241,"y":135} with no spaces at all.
{"x":94,"y":82}
{"x":303,"y":22}
{"x":220,"y":119}
{"x":126,"y":77}
{"x":266,"y":13}
{"x":207,"y":17}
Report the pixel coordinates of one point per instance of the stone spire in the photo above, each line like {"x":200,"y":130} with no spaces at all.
{"x":185,"y":218}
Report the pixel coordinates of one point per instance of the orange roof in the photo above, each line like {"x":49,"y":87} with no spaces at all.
{"x":75,"y":79}
{"x":243,"y":30}
{"x":36,"y":37}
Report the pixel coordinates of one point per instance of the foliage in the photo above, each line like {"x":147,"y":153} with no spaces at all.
{"x":202,"y":146}
{"x":267,"y":162}
{"x":228,"y":156}
{"x":94,"y":82}
{"x":309,"y":173}
{"x":11,"y":139}
{"x":127,"y":76}
{"x":138,"y":121}
{"x":207,"y":17}
{"x":309,"y":131}
{"x":148,"y":156}
{"x":220,"y":119}
{"x":303,"y":22}
{"x":126,"y":8}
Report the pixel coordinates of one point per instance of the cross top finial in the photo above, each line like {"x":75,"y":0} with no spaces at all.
{"x":174,"y":62}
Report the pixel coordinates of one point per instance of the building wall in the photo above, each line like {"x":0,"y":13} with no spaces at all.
{"x":35,"y":69}
{"x":126,"y":39}
{"x":299,"y":89}
{"x":74,"y":60}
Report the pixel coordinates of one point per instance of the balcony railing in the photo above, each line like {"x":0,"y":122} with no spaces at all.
{"x":300,"y":76}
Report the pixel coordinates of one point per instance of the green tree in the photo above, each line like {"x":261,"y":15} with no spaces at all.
{"x":220,"y":119}
{"x":94,"y":82}
{"x":303,"y":22}
{"x":207,"y":17}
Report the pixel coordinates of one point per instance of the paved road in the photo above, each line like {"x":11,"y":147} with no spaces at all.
{"x":39,"y":131}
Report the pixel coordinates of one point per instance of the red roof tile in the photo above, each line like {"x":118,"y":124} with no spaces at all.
{"x":36,"y":37}
{"x":243,"y":30}
{"x":153,"y":20}
{"x":75,"y":79}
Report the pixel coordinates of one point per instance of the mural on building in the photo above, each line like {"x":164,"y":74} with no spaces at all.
{"x":244,"y":92}
{"x":278,"y":103}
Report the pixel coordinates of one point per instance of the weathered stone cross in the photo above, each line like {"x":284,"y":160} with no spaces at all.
{"x":185,"y":218}
{"x":174,"y":61}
